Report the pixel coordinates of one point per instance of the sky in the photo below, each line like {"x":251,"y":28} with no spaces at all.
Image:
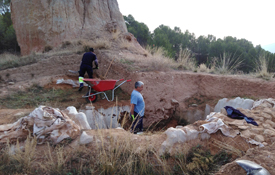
{"x":252,"y":20}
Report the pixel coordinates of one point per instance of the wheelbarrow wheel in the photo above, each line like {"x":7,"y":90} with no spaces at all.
{"x":92,"y":98}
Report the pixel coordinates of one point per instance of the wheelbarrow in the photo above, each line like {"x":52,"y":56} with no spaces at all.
{"x":97,"y":87}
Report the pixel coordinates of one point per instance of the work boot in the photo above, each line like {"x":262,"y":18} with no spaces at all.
{"x":80,"y":87}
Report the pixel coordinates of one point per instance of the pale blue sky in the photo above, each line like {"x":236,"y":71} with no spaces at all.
{"x":249,"y":19}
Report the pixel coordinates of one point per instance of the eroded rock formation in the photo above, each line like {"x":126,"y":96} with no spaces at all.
{"x":40,"y":23}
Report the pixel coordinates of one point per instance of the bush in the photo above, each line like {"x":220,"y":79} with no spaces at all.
{"x":48,"y":48}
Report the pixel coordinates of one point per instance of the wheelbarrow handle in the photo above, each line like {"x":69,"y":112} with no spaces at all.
{"x":128,"y":80}
{"x":121,"y":79}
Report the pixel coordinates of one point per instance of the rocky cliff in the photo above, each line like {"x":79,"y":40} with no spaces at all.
{"x":40,"y":23}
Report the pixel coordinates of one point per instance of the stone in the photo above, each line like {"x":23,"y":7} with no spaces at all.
{"x":259,"y":138}
{"x":271,"y":123}
{"x":174,"y":102}
{"x":40,"y":23}
{"x":246,"y":134}
{"x":257,"y":130}
{"x":266,"y":115}
{"x":269,"y":132}
{"x":266,"y":126}
{"x":243,"y":127}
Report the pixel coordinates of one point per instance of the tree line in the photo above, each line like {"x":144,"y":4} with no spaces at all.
{"x":204,"y":48}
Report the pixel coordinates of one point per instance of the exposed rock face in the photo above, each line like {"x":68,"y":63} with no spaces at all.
{"x":40,"y":23}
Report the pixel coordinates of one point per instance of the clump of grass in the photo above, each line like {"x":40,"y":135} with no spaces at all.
{"x":48,"y":48}
{"x":125,"y":44}
{"x":102,"y":43}
{"x":18,"y":159}
{"x":110,"y":154}
{"x":8,"y":60}
{"x":185,"y":60}
{"x":124,"y":157}
{"x":204,"y":68}
{"x":66,"y":44}
{"x":261,"y":65}
{"x":155,"y":60}
{"x":156,"y":51}
{"x":115,"y":35}
{"x":227,"y":63}
{"x":199,"y":160}
{"x":55,"y":163}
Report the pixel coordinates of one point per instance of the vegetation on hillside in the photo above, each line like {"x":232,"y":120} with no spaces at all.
{"x":206,"y":49}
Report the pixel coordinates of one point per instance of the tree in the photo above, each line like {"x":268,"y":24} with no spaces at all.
{"x":4,"y":6}
{"x":205,"y":48}
{"x":8,"y":41}
{"x":139,"y":30}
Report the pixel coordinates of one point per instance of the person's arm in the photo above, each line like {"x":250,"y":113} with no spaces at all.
{"x":96,"y":62}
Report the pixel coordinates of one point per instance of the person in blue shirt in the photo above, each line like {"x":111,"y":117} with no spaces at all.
{"x":137,"y":108}
{"x":87,"y":66}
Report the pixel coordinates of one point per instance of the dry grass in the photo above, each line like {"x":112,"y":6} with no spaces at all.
{"x":125,"y":44}
{"x":261,"y":65}
{"x":185,"y":60}
{"x":77,"y":46}
{"x":115,"y":35}
{"x":204,"y":68}
{"x":19,"y":158}
{"x":102,"y":43}
{"x":109,"y":153}
{"x":227,"y":63}
{"x":55,"y":161}
{"x":154,"y":60}
{"x":8,"y":60}
{"x":231,"y":149}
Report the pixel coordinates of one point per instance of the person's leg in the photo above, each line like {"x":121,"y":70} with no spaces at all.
{"x":90,"y":71}
{"x":134,"y":126}
{"x":141,"y":124}
{"x":81,"y":77}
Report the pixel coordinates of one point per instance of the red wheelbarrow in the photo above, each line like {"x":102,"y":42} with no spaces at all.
{"x":99,"y":87}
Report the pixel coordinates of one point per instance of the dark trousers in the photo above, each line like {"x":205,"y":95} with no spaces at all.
{"x":86,"y":68}
{"x":137,"y":124}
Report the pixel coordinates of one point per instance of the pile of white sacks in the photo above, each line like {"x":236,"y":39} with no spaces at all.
{"x":52,"y":124}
